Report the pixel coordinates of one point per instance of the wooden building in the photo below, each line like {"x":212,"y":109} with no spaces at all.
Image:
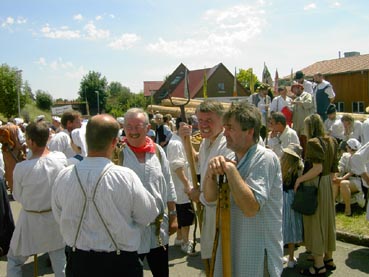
{"x":219,"y":84}
{"x":350,"y":79}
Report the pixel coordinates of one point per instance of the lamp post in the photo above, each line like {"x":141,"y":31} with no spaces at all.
{"x":98,"y":102}
{"x":19,"y":72}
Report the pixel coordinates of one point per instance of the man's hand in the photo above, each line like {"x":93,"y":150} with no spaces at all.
{"x":173,"y":224}
{"x":195,"y":195}
{"x":184,"y":130}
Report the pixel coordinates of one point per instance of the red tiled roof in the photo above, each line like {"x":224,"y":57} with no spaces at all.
{"x":151,"y":86}
{"x":336,"y":66}
{"x":195,"y":80}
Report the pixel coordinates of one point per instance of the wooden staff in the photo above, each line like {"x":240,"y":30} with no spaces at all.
{"x":190,"y":157}
{"x":223,"y":222}
{"x":35,"y":265}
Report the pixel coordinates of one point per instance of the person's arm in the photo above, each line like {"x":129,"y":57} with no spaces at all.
{"x":312,"y":173}
{"x":173,"y":224}
{"x":182,"y":176}
{"x":184,"y":131}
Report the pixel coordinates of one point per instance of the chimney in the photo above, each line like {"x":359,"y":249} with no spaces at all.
{"x":351,"y":54}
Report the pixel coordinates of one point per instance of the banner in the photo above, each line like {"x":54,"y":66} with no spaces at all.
{"x":60,"y":110}
{"x":205,"y":86}
{"x":267,"y":78}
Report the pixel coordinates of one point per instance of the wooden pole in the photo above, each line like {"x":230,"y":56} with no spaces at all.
{"x":35,"y":265}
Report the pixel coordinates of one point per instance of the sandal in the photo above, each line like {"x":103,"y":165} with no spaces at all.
{"x":329,"y":265}
{"x":316,"y":272}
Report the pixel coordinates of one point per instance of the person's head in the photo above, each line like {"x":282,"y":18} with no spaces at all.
{"x":242,"y":123}
{"x":291,"y":161}
{"x":297,"y":89}
{"x":37,"y":134}
{"x":159,"y":119}
{"x":136,"y":126}
{"x":120,"y":121}
{"x":352,"y":145}
{"x":56,"y":121}
{"x":209,"y":116}
{"x":278,"y":122}
{"x":299,"y":77}
{"x":318,"y":77}
{"x":263,"y":90}
{"x":102,"y":134}
{"x":331,"y":111}
{"x":314,"y":126}
{"x":71,"y":120}
{"x":282,"y":91}
{"x":347,"y":121}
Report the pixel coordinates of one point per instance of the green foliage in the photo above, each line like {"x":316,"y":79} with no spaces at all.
{"x":44,"y":100}
{"x":27,"y":91}
{"x":10,"y":86}
{"x":247,"y":79}
{"x":92,"y":88}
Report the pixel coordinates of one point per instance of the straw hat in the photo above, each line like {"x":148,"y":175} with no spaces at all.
{"x":293,"y":149}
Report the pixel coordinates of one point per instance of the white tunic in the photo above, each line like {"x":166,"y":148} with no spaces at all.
{"x":177,"y":159}
{"x":124,"y":204}
{"x":156,"y":178}
{"x":207,"y":151}
{"x":33,"y":181}
{"x":61,"y":142}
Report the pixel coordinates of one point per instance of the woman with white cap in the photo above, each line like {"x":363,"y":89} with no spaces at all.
{"x":345,"y":182}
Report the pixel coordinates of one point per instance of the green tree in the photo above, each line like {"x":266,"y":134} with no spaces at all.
{"x":27,"y":91}
{"x":92,"y":88}
{"x":44,"y":100}
{"x":10,"y":87}
{"x":244,"y":77}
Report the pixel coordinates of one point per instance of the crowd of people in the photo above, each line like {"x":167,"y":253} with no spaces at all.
{"x":103,"y":195}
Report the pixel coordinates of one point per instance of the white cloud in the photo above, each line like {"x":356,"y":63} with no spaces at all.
{"x":126,"y":41}
{"x":93,"y":33}
{"x":41,"y":61}
{"x":10,"y":21}
{"x":222,"y":32}
{"x":310,"y":6}
{"x":336,"y":4}
{"x":62,"y":67}
{"x":99,"y":17}
{"x":62,"y":33}
{"x":112,"y":16}
{"x":78,"y":17}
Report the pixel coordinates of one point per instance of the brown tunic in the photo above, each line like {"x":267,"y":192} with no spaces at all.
{"x":320,"y":228}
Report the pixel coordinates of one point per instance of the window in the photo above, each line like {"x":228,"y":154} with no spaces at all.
{"x":358,"y":107}
{"x":221,"y":88}
{"x":340,"y":107}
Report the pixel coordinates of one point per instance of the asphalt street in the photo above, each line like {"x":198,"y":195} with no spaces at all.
{"x":351,"y":260}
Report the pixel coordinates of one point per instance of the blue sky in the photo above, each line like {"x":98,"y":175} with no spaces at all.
{"x":56,"y":43}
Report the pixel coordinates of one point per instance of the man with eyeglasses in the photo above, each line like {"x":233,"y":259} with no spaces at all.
{"x":149,"y":162}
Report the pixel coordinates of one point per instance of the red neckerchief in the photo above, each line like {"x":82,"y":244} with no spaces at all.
{"x":149,"y":146}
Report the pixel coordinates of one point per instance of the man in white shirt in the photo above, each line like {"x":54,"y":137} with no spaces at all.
{"x":281,"y":134}
{"x":283,"y":104}
{"x":36,"y":230}
{"x":333,"y":124}
{"x":323,"y":95}
{"x":149,"y":162}
{"x":102,"y":208}
{"x":179,"y":169}
{"x":365,"y":129}
{"x":300,"y":78}
{"x":209,"y":114}
{"x":360,"y":166}
{"x":61,"y":142}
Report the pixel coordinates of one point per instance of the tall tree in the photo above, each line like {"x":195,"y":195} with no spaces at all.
{"x":93,"y":88}
{"x":44,"y":100}
{"x":247,"y":78}
{"x":10,"y":87}
{"x":27,"y":91}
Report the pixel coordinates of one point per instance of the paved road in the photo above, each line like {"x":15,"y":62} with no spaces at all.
{"x":351,"y":260}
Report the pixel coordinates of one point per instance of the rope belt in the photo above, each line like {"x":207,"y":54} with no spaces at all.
{"x":38,"y":212}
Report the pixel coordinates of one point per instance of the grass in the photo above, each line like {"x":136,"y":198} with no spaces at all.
{"x":30,"y":111}
{"x":356,"y":224}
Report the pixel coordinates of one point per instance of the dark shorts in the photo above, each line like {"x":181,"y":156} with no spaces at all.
{"x":185,"y":215}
